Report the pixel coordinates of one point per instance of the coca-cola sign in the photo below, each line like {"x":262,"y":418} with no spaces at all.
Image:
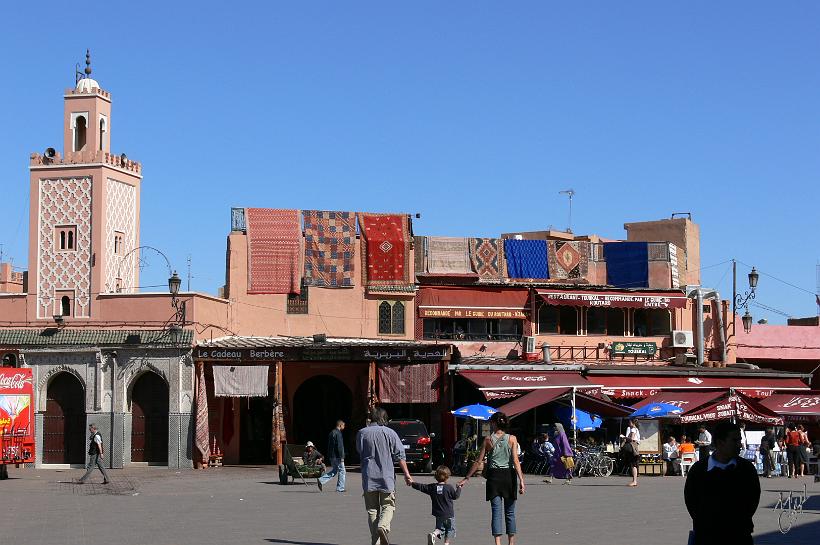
{"x":14,"y":381}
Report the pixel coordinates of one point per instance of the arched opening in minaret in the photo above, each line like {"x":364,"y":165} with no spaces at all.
{"x":80,"y":134}
{"x":102,"y":131}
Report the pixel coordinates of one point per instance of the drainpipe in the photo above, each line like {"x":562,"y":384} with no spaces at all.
{"x":113,"y":366}
{"x":699,"y":318}
{"x":574,"y":421}
{"x":719,"y":311}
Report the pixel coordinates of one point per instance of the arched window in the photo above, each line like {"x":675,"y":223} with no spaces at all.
{"x":102,"y":131}
{"x":80,"y":133}
{"x":70,"y":241}
{"x":398,"y":317}
{"x":385,"y":318}
{"x":65,"y":306}
{"x":62,"y":240}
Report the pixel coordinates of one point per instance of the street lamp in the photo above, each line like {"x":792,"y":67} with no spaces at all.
{"x":747,"y":321}
{"x":174,"y":282}
{"x":742,"y":300}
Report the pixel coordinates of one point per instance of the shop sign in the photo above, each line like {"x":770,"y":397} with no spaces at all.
{"x":461,"y":312}
{"x":634,"y":348}
{"x":324,"y":353}
{"x":629,"y":393}
{"x":617,"y":300}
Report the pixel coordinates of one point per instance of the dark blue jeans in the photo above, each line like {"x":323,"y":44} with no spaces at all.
{"x":509,"y":515}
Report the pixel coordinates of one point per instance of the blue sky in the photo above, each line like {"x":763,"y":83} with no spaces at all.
{"x":473,"y":113}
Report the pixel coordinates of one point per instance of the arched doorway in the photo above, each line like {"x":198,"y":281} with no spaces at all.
{"x":64,"y":435}
{"x":149,"y":419}
{"x":317,"y":404}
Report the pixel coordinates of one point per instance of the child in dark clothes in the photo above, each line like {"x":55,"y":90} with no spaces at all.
{"x":441,"y":496}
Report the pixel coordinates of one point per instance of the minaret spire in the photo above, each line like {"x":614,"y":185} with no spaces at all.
{"x":88,"y":63}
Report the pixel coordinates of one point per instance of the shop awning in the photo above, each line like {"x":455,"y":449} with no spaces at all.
{"x":460,"y":302}
{"x":591,"y":404}
{"x":805,"y":403}
{"x":525,"y":380}
{"x":732,"y":406}
{"x":647,"y":385}
{"x":642,"y":299}
{"x":684,"y":400}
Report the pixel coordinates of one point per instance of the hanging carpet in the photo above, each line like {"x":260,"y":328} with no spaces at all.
{"x":526,"y":258}
{"x":409,"y":383}
{"x":627,"y":264}
{"x":487,"y":256}
{"x":273,"y":250}
{"x":201,"y":434}
{"x":448,"y":255}
{"x":386,"y":252}
{"x":568,"y":259}
{"x":329,"y":246}
{"x":240,"y":380}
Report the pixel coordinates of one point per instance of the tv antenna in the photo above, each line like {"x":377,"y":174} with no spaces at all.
{"x":569,"y":193}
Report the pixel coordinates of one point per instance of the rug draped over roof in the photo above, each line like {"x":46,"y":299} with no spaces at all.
{"x":448,"y":255}
{"x":487,"y":256}
{"x":386,"y":249}
{"x":568,"y":259}
{"x":273,"y":250}
{"x":627,"y":264}
{"x":329,"y":247}
{"x":526,"y":258}
{"x":201,"y":438}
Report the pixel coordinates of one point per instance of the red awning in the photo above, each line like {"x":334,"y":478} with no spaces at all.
{"x":461,"y":302}
{"x":732,"y":406}
{"x":536,"y":398}
{"x":645,"y":385}
{"x":804,"y":403}
{"x":631,"y":299}
{"x":684,"y":400}
{"x":524,"y":380}
{"x":588,"y":403}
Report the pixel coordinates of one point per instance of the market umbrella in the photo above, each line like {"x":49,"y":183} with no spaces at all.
{"x":657,"y":410}
{"x":584,"y":421}
{"x":477,"y":411}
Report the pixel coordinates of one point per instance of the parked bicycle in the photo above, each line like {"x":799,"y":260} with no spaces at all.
{"x":592,"y":462}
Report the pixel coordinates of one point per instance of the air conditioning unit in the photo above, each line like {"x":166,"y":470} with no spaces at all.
{"x":683,"y":339}
{"x":529,"y":345}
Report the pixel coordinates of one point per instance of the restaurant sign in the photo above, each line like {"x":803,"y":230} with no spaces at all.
{"x":616,"y":300}
{"x":633,"y":349}
{"x":323,"y":353}
{"x":471,"y":312}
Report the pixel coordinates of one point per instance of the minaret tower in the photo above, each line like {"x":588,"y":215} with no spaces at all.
{"x":84,"y":216}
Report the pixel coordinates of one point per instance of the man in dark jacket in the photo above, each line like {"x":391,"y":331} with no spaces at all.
{"x":722,"y":492}
{"x":767,"y":452}
{"x":336,"y":455}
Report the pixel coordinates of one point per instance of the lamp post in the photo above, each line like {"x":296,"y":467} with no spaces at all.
{"x":742,"y":300}
{"x":174,"y":282}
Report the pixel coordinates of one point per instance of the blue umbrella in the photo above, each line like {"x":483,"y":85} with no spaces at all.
{"x":657,"y":410}
{"x":477,"y":411}
{"x":584,"y":421}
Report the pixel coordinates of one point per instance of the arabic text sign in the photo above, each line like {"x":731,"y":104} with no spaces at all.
{"x":634,"y":348}
{"x":323,"y":353}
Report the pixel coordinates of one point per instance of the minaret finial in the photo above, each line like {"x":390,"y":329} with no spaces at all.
{"x":87,"y":63}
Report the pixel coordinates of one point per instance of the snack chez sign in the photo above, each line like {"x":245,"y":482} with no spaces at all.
{"x":323,"y":353}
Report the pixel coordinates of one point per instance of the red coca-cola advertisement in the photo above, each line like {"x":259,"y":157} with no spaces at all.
{"x":16,"y":416}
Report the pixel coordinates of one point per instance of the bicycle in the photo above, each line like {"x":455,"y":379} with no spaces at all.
{"x":790,"y":509}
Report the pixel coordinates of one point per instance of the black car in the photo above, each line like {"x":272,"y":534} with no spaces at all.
{"x":418,"y":444}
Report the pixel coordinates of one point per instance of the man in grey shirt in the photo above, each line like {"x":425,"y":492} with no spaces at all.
{"x":379,"y":446}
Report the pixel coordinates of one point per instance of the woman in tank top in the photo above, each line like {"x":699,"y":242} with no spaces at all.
{"x":504,"y":477}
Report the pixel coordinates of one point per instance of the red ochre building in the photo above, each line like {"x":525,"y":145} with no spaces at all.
{"x":330,"y":312}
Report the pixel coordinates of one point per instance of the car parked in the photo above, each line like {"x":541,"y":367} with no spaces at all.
{"x":418,"y":444}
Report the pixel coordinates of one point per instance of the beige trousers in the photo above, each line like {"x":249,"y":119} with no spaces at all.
{"x":380,"y":508}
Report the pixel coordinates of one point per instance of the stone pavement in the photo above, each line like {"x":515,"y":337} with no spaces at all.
{"x":246,"y":505}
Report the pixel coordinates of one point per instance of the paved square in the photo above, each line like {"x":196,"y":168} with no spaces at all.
{"x":240,"y":505}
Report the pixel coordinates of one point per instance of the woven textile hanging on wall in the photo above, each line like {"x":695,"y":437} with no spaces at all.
{"x":273,"y":250}
{"x":487,"y":256}
{"x":568,"y":259}
{"x":386,"y":251}
{"x":329,"y":247}
{"x":410,"y":383}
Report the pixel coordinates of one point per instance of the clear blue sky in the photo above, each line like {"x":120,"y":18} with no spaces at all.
{"x":473,"y":113}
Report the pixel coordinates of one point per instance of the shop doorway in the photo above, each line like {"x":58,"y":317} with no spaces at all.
{"x":64,"y":433}
{"x":318,"y":403}
{"x":255,"y":429}
{"x":149,"y":419}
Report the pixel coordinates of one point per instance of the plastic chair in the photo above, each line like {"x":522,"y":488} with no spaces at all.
{"x":687,"y":459}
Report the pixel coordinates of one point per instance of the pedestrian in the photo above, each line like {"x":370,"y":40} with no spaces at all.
{"x":743,"y":443}
{"x":379,"y":447}
{"x":793,"y":450}
{"x":766,"y":448}
{"x":95,"y":455}
{"x":704,"y":443}
{"x":804,"y":449}
{"x":632,"y":448}
{"x":722,"y":492}
{"x":546,"y":452}
{"x":442,"y":496}
{"x":504,"y":477}
{"x":671,"y":453}
{"x":563,"y":459}
{"x":336,"y":455}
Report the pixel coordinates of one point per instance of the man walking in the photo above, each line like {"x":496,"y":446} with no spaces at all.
{"x":336,"y":455}
{"x":379,"y":446}
{"x":95,"y":455}
{"x":767,"y":452}
{"x":722,"y":492}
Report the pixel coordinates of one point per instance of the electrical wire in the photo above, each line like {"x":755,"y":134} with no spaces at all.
{"x":778,"y":279}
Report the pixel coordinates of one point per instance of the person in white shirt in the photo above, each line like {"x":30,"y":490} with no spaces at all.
{"x":670,"y":456}
{"x":704,"y":443}
{"x":632,"y":448}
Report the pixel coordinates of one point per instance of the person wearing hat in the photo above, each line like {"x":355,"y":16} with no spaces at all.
{"x":312,"y":457}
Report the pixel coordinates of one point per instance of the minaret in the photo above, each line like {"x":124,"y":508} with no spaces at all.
{"x":84,"y":216}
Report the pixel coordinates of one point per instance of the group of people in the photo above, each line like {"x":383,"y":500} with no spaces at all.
{"x":556,"y":452}
{"x":791,"y":450}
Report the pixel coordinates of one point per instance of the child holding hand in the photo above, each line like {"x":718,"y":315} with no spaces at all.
{"x":441,"y":496}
